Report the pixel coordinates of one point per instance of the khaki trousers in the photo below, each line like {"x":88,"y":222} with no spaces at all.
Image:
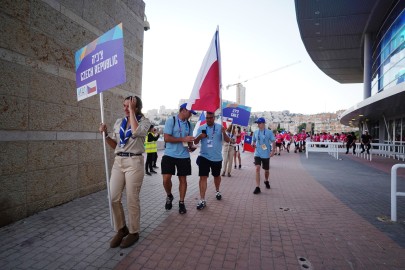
{"x":128,"y":173}
{"x":227,"y":154}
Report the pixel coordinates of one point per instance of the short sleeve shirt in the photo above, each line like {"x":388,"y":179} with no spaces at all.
{"x":211,"y":146}
{"x":177,"y":129}
{"x":135,"y":143}
{"x":263,"y":137}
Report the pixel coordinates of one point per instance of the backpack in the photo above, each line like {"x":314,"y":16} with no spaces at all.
{"x":188,"y":123}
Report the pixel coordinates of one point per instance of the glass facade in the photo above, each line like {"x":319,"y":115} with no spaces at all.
{"x":388,"y":68}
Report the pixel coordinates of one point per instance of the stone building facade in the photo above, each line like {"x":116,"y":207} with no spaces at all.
{"x":50,"y":148}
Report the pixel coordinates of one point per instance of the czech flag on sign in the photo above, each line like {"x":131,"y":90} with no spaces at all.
{"x":206,"y":91}
{"x":247,"y":144}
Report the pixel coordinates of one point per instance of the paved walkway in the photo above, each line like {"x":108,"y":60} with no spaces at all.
{"x":320,"y":213}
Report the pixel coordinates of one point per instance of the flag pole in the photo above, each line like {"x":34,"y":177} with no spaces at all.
{"x":220,"y":86}
{"x":107,"y":176}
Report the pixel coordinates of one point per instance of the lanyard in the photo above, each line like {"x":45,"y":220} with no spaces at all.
{"x":264,"y":136}
{"x":180,"y":130}
{"x":213,"y":132}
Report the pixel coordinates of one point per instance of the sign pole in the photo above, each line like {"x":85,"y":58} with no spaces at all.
{"x":107,"y":176}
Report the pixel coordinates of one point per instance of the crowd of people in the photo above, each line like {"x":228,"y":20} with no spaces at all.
{"x":284,"y":139}
{"x":220,"y":150}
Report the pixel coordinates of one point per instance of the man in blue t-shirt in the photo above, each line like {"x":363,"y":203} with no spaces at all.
{"x":211,"y":136}
{"x":263,"y":142}
{"x":177,"y":155}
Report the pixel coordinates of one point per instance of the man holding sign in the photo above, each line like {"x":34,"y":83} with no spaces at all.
{"x":263,"y":141}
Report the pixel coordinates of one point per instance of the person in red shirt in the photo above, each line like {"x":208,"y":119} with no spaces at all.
{"x":296,"y":142}
{"x":279,"y":141}
{"x":302,"y":136}
{"x":242,"y":138}
{"x":287,"y":140}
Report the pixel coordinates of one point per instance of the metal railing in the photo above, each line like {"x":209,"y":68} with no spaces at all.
{"x":388,"y":150}
{"x":332,"y":148}
{"x":394,"y":193}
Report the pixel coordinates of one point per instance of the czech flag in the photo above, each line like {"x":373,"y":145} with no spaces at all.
{"x":206,"y":91}
{"x":201,"y":121}
{"x":247,"y":144}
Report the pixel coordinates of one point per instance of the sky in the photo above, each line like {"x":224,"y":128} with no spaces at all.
{"x":256,"y":37}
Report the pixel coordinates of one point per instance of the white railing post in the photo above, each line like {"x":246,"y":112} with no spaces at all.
{"x":394,"y":192}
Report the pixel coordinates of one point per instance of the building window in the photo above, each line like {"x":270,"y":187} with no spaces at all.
{"x":388,"y":67}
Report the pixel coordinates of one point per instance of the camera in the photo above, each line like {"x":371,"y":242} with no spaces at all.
{"x":204,"y":131}
{"x":146,"y":25}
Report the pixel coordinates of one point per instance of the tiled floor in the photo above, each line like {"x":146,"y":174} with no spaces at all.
{"x":320,"y":213}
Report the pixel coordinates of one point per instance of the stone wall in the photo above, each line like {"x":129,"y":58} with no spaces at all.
{"x":50,"y":150}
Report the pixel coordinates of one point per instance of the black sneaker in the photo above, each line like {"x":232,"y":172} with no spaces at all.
{"x":155,"y":167}
{"x":200,"y":205}
{"x":257,"y":190}
{"x":169,"y":200}
{"x":240,"y":166}
{"x":218,"y":195}
{"x":267,"y":183}
{"x":153,"y":171}
{"x":148,"y":173}
{"x":182,"y":208}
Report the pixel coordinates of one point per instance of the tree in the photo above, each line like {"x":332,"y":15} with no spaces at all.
{"x":301,"y":127}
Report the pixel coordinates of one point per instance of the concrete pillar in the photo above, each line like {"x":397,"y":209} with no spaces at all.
{"x":367,"y":66}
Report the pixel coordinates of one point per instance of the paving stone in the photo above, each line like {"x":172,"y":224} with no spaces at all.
{"x":311,"y":211}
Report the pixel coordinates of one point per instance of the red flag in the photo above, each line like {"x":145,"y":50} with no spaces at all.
{"x":247,"y":144}
{"x":206,"y":91}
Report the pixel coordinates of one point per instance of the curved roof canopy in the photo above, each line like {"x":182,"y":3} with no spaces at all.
{"x":333,"y":31}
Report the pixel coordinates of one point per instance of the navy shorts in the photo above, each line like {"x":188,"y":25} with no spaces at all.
{"x":170,"y":164}
{"x":206,"y":165}
{"x":264,"y":162}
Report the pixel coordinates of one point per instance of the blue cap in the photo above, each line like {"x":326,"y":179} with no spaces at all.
{"x":184,"y":106}
{"x":260,"y":120}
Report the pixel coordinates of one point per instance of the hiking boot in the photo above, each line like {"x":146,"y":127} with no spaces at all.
{"x":182,"y":208}
{"x":267,"y":183}
{"x":169,"y":200}
{"x":218,"y":195}
{"x":129,"y":240}
{"x":148,"y":173}
{"x":257,"y":190}
{"x":201,"y":205}
{"x":116,"y":240}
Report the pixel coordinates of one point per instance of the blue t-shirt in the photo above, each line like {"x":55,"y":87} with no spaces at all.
{"x":263,"y":137}
{"x":177,"y":129}
{"x":211,"y":146}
